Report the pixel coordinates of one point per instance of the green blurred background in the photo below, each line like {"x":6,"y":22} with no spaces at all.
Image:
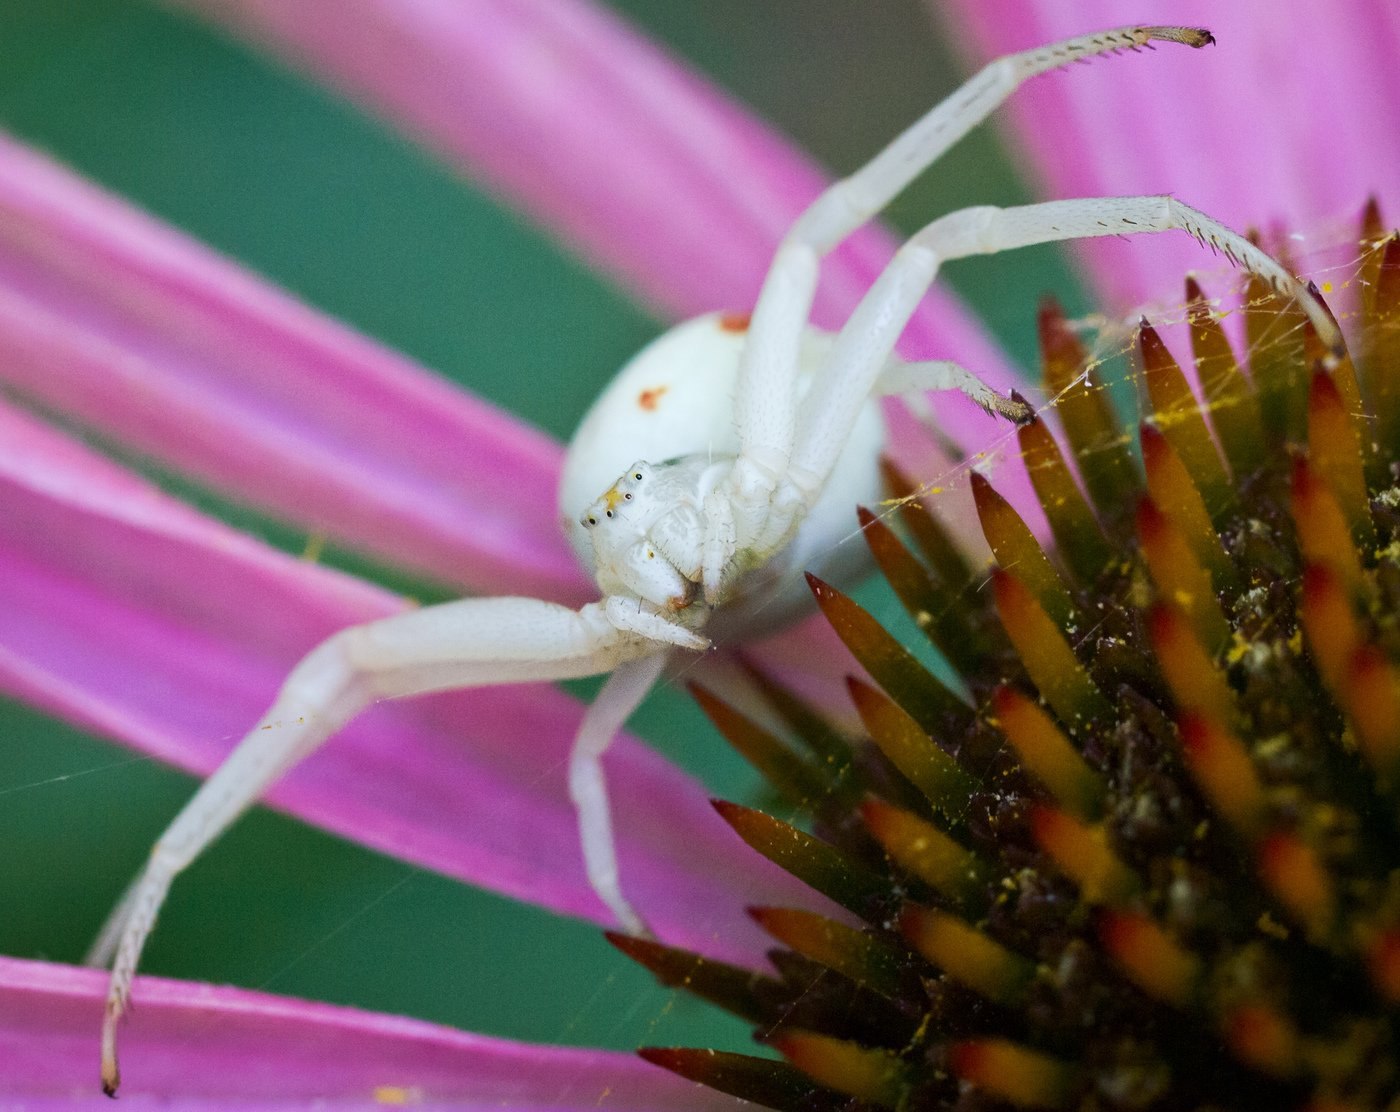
{"x":306,"y":191}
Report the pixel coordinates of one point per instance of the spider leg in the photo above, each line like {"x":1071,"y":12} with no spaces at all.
{"x":863,"y":348}
{"x":603,"y":720}
{"x":633,"y":617}
{"x":914,"y":379}
{"x":468,"y":643}
{"x":765,"y":405}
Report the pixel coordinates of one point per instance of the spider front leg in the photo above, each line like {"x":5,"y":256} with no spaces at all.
{"x":859,"y":357}
{"x":469,"y":643}
{"x":756,"y":509}
{"x":910,"y":380}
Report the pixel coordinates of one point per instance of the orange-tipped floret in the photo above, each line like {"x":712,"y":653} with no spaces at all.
{"x":1141,"y":850}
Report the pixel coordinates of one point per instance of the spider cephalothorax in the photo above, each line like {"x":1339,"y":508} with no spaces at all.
{"x":644,"y":531}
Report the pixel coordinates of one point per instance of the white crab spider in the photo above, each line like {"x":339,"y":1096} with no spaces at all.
{"x":762,"y":437}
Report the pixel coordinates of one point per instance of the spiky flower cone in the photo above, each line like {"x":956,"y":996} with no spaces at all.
{"x":1154,"y":860}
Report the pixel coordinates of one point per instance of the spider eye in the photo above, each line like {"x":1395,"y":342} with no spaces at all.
{"x":610,"y":513}
{"x":591,"y":521}
{"x":628,"y":497}
{"x":638,"y":476}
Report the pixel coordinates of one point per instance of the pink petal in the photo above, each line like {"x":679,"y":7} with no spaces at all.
{"x":131,"y":327}
{"x":142,"y":620}
{"x":200,"y":1043}
{"x":1293,"y":119}
{"x":642,"y":166}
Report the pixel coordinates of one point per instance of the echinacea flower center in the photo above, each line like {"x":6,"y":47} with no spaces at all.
{"x":1152,"y":861}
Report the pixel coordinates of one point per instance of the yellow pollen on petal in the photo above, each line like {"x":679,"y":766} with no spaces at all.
{"x":396,"y":1095}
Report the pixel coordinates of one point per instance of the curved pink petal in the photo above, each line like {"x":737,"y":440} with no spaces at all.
{"x":614,"y":146}
{"x":1292,"y":118}
{"x":133,"y":615}
{"x":122,"y":323}
{"x":222,"y":1047}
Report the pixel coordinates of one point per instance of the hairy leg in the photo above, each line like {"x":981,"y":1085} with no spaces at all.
{"x":862,"y":350}
{"x":620,"y":696}
{"x":765,"y":396}
{"x":470,"y":643}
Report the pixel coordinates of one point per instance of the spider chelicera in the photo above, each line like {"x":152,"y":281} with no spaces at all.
{"x":761,"y":436}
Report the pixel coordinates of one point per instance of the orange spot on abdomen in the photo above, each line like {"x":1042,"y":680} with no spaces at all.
{"x":735,"y":322}
{"x":649,"y":399}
